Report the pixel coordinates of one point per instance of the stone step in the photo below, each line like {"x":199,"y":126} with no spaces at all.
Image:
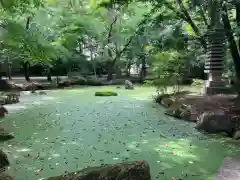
{"x":216,"y":45}
{"x":218,"y":90}
{"x":213,"y":70}
{"x":214,"y":63}
{"x":216,"y":52}
{"x":214,"y":59}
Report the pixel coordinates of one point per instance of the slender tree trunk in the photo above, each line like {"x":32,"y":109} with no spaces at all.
{"x":93,"y":62}
{"x":49,"y":74}
{"x":143,"y":71}
{"x":26,"y":71}
{"x":128,"y":70}
{"x":232,"y":43}
{"x":1,"y":68}
{"x":110,"y":69}
{"x":118,"y":72}
{"x":9,"y":70}
{"x":110,"y":72}
{"x":238,"y":21}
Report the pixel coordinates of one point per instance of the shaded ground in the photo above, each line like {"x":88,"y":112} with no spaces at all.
{"x":72,"y":129}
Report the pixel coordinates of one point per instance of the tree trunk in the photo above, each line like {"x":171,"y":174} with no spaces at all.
{"x":9,"y":70}
{"x":118,"y":72}
{"x":238,"y":20}
{"x":93,"y":60}
{"x":128,"y":70}
{"x":49,"y":74}
{"x":1,"y":68}
{"x":26,"y":71}
{"x":232,"y":42}
{"x":110,"y":72}
{"x":143,"y":71}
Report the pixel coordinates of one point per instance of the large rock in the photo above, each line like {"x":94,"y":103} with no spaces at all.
{"x":34,"y":86}
{"x":6,"y":85}
{"x":3,"y":160}
{"x":10,"y":97}
{"x":178,"y":110}
{"x":137,"y":170}
{"x":159,"y":97}
{"x":128,"y":85}
{"x":4,"y":135}
{"x":64,"y":83}
{"x":39,"y":92}
{"x":78,"y":80}
{"x":5,"y":176}
{"x":236,"y":135}
{"x":3,"y":111}
{"x":167,"y":102}
{"x":215,"y":122}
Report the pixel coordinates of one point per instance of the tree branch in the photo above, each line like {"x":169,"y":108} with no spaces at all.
{"x":139,"y":29}
{"x":28,"y":22}
{"x":110,"y":29}
{"x":183,"y":14}
{"x":203,"y":16}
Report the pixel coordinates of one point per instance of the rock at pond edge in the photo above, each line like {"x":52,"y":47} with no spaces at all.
{"x":5,"y":176}
{"x":128,"y":85}
{"x":3,"y":160}
{"x":236,"y":135}
{"x":215,"y":122}
{"x":3,"y":111}
{"x":179,"y":110}
{"x":136,"y":170}
{"x":4,"y":135}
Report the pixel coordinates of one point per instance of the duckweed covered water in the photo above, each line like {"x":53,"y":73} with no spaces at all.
{"x":68,"y":130}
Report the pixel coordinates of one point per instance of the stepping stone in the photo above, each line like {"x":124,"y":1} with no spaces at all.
{"x":229,"y":170}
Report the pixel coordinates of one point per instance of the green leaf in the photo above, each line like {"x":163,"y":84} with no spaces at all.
{"x":188,"y":29}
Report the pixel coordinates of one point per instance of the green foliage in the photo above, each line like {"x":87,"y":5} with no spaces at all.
{"x":168,"y":68}
{"x":197,"y":82}
{"x":106,"y":93}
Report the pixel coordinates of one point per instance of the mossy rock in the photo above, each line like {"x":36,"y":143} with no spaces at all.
{"x":106,"y":93}
{"x":4,"y":135}
{"x":136,"y":170}
{"x":158,"y":98}
{"x":167,"y":101}
{"x":178,"y":110}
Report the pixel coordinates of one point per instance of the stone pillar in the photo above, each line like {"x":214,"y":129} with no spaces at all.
{"x":216,"y":52}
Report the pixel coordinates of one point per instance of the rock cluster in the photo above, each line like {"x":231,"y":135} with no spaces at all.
{"x":208,"y":116}
{"x":136,"y":170}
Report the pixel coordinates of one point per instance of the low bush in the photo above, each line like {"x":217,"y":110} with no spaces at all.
{"x":197,"y":82}
{"x":106,"y":93}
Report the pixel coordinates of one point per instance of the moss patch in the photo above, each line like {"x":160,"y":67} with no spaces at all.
{"x":106,"y":93}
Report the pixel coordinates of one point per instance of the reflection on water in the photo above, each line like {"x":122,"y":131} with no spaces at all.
{"x":69,"y":130}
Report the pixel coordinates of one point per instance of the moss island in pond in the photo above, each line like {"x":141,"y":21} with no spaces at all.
{"x":106,"y":93}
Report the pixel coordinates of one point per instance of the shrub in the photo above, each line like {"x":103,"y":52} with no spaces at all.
{"x":106,"y":93}
{"x":197,"y":82}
